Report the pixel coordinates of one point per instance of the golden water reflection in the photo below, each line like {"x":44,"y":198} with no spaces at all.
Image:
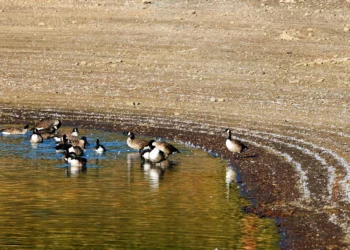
{"x":120,"y":202}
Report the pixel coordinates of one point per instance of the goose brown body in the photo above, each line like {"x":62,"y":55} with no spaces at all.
{"x":234,"y":145}
{"x":15,"y":131}
{"x":136,"y":143}
{"x":48,"y":123}
{"x":165,"y":147}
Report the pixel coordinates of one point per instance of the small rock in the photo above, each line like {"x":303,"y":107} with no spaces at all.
{"x":346,"y":29}
{"x":286,"y":36}
{"x":213,"y":99}
{"x":192,"y":12}
{"x":176,"y":113}
{"x":146,"y":1}
{"x":83,"y":63}
{"x":221,"y":100}
{"x":320,"y":80}
{"x":41,"y":24}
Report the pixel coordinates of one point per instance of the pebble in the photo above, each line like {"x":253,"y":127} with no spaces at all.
{"x":213,"y":99}
{"x":346,"y":29}
{"x":286,"y":36}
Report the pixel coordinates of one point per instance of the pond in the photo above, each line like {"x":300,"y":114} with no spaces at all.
{"x":119,"y":203}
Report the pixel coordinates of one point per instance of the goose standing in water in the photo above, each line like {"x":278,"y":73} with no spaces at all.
{"x":82,"y":142}
{"x":165,"y":147}
{"x":76,"y":161}
{"x":36,"y":137}
{"x":99,"y":148}
{"x":76,"y":149}
{"x":134,"y":143}
{"x":233,"y":145}
{"x":70,"y":136}
{"x":76,"y":164}
{"x":15,"y":131}
{"x":153,"y":154}
{"x":47,"y":134}
{"x":63,"y":145}
{"x":48,"y":123}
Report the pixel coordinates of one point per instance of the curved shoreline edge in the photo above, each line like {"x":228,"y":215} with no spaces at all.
{"x":300,"y":227}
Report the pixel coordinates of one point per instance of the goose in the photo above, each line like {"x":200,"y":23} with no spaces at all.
{"x":75,"y":132}
{"x":76,"y":162}
{"x":134,"y":143}
{"x":36,"y":137}
{"x":70,"y":136}
{"x":82,"y":142}
{"x":48,"y":123}
{"x":167,"y":148}
{"x":47,"y":134}
{"x":63,"y":146}
{"x":153,"y":154}
{"x":99,"y":148}
{"x":15,"y":131}
{"x":76,"y":149}
{"x":233,"y":145}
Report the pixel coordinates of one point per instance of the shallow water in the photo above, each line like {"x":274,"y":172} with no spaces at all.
{"x":189,"y":202}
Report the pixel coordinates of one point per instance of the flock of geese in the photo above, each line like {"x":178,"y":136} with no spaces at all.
{"x":72,"y":146}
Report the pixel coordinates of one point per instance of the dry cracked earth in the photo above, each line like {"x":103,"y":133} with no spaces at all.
{"x":275,"y":72}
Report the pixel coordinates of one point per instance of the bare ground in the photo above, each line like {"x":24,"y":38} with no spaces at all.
{"x":276,"y":73}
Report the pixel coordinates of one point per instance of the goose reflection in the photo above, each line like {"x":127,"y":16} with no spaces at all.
{"x":231,"y":178}
{"x":74,"y":171}
{"x":133,"y":159}
{"x":154,"y":176}
{"x":155,"y":172}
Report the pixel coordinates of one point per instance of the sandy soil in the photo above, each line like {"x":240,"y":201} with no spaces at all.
{"x":276,"y":73}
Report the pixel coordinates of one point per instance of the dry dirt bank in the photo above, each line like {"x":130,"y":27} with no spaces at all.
{"x":277,"y":74}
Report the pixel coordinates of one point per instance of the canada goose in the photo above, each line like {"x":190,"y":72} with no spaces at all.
{"x":82,"y":142}
{"x":63,"y":146}
{"x":75,"y":132}
{"x":48,"y":123}
{"x":70,"y":136}
{"x":134,"y":143}
{"x":145,"y":153}
{"x":76,"y":149}
{"x":47,"y":134}
{"x":233,"y":145}
{"x":15,"y":131}
{"x":153,"y":154}
{"x":36,"y":137}
{"x":167,"y":148}
{"x":99,"y":148}
{"x":76,"y":162}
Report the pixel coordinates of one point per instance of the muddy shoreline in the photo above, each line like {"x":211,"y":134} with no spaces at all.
{"x":275,"y":72}
{"x":299,"y":228}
